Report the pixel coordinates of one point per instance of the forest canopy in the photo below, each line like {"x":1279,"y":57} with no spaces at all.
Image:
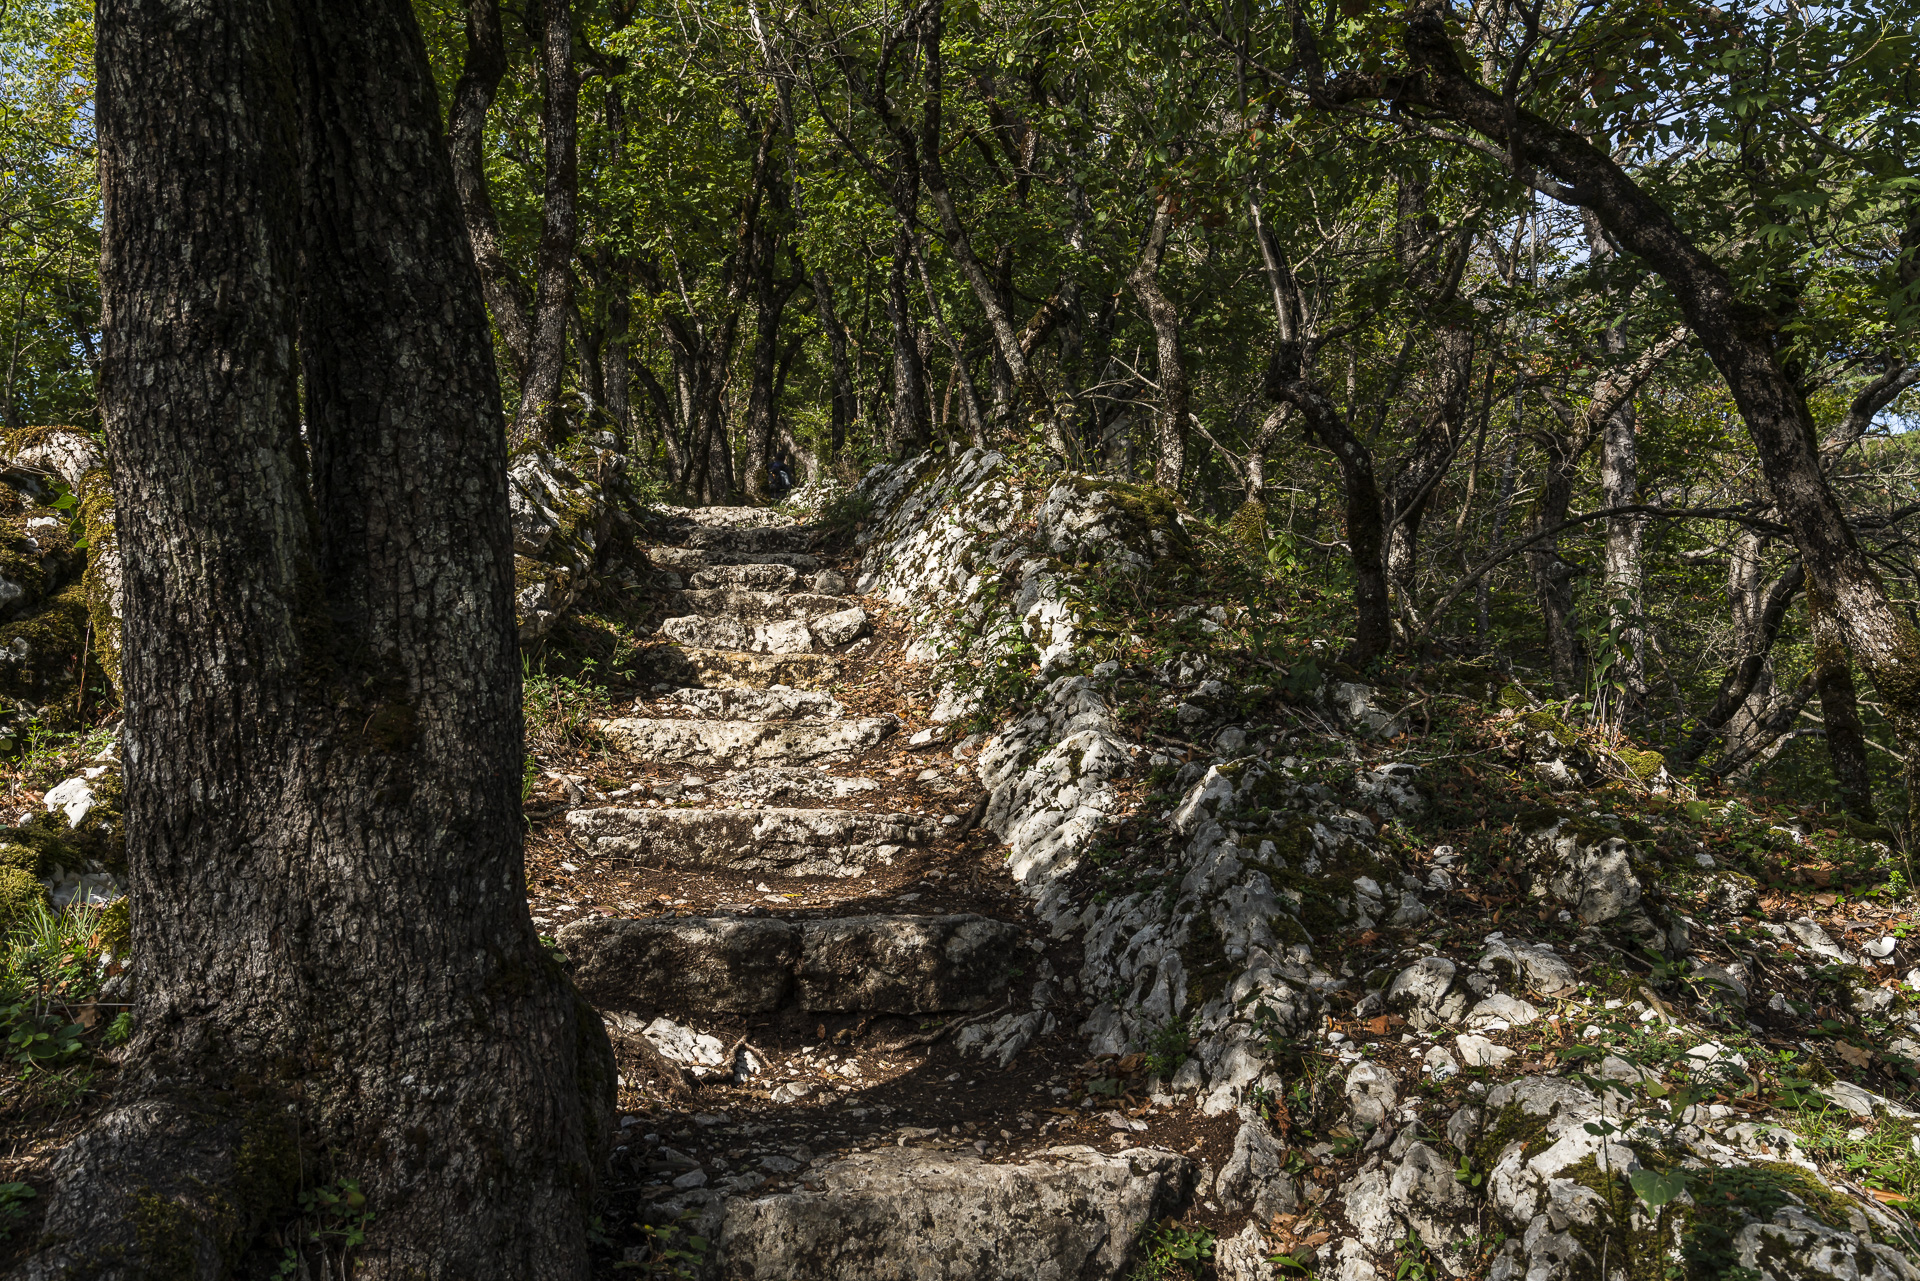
{"x":1565,"y":334}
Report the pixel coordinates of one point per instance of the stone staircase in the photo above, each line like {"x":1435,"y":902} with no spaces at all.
{"x":846,"y":1050}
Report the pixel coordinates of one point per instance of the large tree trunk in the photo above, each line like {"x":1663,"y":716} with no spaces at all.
{"x":1741,"y":339}
{"x":1171,"y":425}
{"x":540,"y":418}
{"x":322,"y":748}
{"x":473,"y":95}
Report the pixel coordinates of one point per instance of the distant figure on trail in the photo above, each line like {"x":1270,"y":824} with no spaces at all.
{"x":780,"y":477}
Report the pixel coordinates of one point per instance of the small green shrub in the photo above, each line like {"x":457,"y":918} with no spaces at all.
{"x":1169,"y":1250}
{"x":13,"y":1206}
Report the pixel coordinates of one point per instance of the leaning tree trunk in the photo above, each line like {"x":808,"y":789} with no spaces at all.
{"x":338,"y":976}
{"x":473,"y":95}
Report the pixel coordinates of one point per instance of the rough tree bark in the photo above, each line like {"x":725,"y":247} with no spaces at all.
{"x":907,"y":424}
{"x":1840,"y":715}
{"x":322,"y":749}
{"x":540,"y":419}
{"x":473,"y":96}
{"x":1170,"y":426}
{"x":1626,"y":536}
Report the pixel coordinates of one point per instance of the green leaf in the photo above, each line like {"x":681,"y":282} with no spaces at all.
{"x":1657,"y":1188}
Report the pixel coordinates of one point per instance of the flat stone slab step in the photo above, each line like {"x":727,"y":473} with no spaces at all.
{"x":912,"y":1214}
{"x":775,"y":703}
{"x":786,"y":636}
{"x":787,"y":842}
{"x":687,"y":559}
{"x":759,"y":578}
{"x":754,"y":965}
{"x":782,"y":783}
{"x":730,"y":517}
{"x":756,"y":606}
{"x":690,"y":666}
{"x":794,"y":538}
{"x":723,"y":743}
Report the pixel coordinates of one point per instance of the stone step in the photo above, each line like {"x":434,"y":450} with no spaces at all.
{"x":784,"y":842}
{"x":775,"y":703}
{"x":687,"y":559}
{"x":792,"y":538}
{"x":783,"y":783}
{"x":735,"y":669}
{"x":760,"y":578}
{"x":754,"y":965}
{"x":741,"y":743}
{"x":914,"y":1214}
{"x":730,"y":517}
{"x":790,"y":636}
{"x":749,"y":606}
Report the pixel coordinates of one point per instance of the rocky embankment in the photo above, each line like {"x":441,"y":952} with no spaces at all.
{"x":941,"y":938}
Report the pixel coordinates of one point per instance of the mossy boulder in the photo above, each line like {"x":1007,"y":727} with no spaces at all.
{"x":97,"y":839}
{"x":20,"y":892}
{"x":567,"y":522}
{"x":1643,"y":766}
{"x":1247,"y":529}
{"x":1089,"y":520}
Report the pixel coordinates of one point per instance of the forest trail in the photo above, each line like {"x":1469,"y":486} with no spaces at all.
{"x":845,"y":1046}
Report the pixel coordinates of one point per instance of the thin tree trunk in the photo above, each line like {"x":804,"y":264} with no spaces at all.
{"x":541,"y":418}
{"x":473,"y":96}
{"x":1171,"y":426}
{"x":1626,"y":535}
{"x":322,"y":749}
{"x":1288,"y":380}
{"x":843,"y":402}
{"x":1426,"y":463}
{"x":907,"y":427}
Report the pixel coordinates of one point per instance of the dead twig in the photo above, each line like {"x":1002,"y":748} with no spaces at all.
{"x":928,"y":1038}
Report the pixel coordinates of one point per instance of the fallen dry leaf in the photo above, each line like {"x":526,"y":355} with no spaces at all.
{"x":1855,"y":1055}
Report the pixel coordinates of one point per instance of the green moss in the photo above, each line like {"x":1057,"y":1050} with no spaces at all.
{"x":1151,"y":508}
{"x":1547,"y":723}
{"x":1642,"y":765}
{"x":100,"y":837}
{"x":1247,"y":528}
{"x":165,"y":1231}
{"x":1513,"y":1124}
{"x":1514,"y":698}
{"x":20,"y":892}
{"x":24,"y":857}
{"x":115,"y":926}
{"x":103,"y":561}
{"x":54,"y":636}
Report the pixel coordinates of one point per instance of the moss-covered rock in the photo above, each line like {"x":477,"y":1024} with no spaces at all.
{"x":1247,"y":528}
{"x":20,"y":892}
